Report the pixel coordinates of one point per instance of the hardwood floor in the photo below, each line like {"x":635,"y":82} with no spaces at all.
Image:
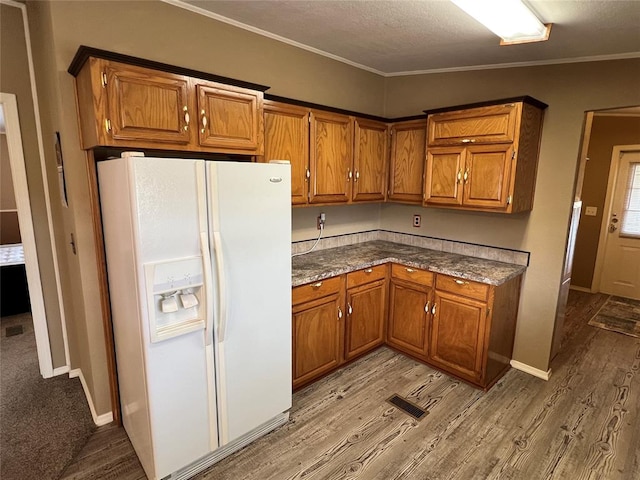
{"x":584,"y":423}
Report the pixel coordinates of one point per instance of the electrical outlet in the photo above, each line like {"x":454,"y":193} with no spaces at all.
{"x":320,"y":221}
{"x":417,"y":220}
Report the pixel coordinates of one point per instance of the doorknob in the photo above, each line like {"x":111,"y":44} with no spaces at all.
{"x":612,"y":228}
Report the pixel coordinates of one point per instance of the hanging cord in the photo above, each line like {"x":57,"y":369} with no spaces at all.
{"x":314,"y":245}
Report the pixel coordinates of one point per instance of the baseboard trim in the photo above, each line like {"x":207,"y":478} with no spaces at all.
{"x":531,"y":370}
{"x":61,"y":370}
{"x":99,"y":420}
{"x":580,"y":289}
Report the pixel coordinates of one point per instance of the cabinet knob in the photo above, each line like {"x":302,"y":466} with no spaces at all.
{"x":204,"y":121}
{"x":369,"y":270}
{"x":468,"y":140}
{"x":186,"y":117}
{"x":317,"y":285}
{"x":410,"y":270}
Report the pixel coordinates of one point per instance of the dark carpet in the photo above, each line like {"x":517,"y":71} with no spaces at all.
{"x":43,"y":422}
{"x":620,"y":315}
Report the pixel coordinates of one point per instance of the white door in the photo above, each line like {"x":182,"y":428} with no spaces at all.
{"x":621,"y":268}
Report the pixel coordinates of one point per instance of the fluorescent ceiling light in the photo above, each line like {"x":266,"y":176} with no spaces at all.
{"x":511,"y":20}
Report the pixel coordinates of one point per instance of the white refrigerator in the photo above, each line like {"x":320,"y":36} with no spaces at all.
{"x":199,"y":272}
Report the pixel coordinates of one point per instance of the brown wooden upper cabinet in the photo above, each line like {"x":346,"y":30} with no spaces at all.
{"x":286,"y":137}
{"x":371,"y":153}
{"x":330,"y":157}
{"x":407,"y":160}
{"x":334,"y":158}
{"x":122,"y":105}
{"x":229,"y":117}
{"x":484,"y":158}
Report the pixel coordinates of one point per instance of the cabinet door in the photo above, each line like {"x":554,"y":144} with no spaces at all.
{"x":366,"y":311}
{"x":444,"y":176}
{"x":230,"y":118}
{"x":457,"y":335}
{"x":370,"y":160}
{"x":487,"y":176}
{"x":146,"y":105}
{"x":317,"y":328}
{"x":330,"y":154}
{"x":408,"y":316}
{"x":286,"y":137}
{"x":406,"y":170}
{"x":490,"y":124}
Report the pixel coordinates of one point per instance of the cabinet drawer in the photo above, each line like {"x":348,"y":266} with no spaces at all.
{"x":459,"y":286}
{"x":493,"y":124}
{"x":319,"y":289}
{"x":366,"y":275}
{"x":412,"y":274}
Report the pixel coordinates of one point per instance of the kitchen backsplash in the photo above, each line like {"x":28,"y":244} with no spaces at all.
{"x":469,"y":249}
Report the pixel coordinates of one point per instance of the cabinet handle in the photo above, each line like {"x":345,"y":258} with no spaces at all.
{"x":308,"y":174}
{"x":459,"y":176}
{"x":461,"y":282}
{"x":317,"y":285}
{"x":369,"y":270}
{"x":468,"y":140}
{"x":107,"y":125}
{"x":357,"y":176}
{"x":204,"y":121}
{"x":426,"y":307}
{"x":349,"y":309}
{"x":339,"y":313}
{"x":433,"y":309}
{"x":349,"y":175}
{"x":410,"y":270}
{"x":466,"y":176}
{"x":186,"y":117}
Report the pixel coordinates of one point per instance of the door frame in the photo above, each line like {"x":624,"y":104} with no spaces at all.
{"x":9,"y":106}
{"x":618,"y":150}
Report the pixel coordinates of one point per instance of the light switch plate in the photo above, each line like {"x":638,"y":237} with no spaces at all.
{"x":591,"y":211}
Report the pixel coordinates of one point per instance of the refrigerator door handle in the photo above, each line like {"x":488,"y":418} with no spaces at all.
{"x":222,"y":297}
{"x":206,"y":260}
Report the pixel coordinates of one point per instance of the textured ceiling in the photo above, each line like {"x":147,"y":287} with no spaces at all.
{"x":404,"y":36}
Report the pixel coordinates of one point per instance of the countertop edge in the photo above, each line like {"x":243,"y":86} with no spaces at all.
{"x":391,"y":259}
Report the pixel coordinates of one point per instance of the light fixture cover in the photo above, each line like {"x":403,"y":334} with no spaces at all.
{"x":511,"y":20}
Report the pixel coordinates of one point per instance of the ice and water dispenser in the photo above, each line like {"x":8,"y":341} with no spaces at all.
{"x":176,"y":302}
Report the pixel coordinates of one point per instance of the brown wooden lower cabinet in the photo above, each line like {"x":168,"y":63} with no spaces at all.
{"x":473,"y":328}
{"x":463,"y":327}
{"x":409,"y":310}
{"x":317,"y":330}
{"x":366,"y":313}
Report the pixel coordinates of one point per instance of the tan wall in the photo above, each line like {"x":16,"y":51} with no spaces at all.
{"x":570,"y":90}
{"x":14,"y":79}
{"x":161,"y":32}
{"x":605,"y":133}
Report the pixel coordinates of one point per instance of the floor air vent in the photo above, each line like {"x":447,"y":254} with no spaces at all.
{"x":13,"y":331}
{"x":407,"y":407}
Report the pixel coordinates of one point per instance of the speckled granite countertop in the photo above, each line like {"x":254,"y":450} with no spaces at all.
{"x":327,"y":263}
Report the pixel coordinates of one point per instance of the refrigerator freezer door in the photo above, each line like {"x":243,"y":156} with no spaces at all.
{"x":166,"y":198}
{"x":250,"y":222}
